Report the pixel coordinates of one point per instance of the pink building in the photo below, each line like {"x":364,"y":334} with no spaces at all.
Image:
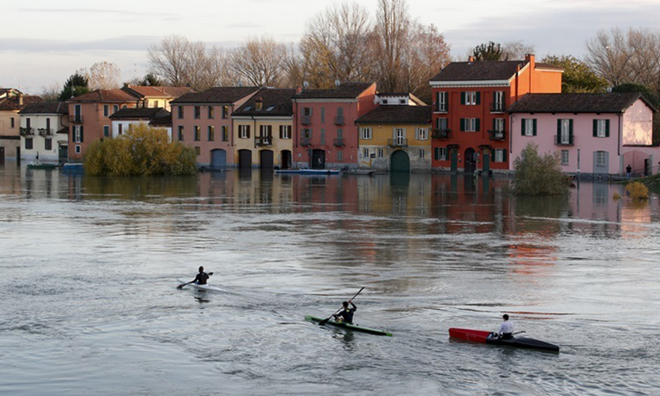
{"x":203,"y":121}
{"x":593,"y":133}
{"x":325,"y":134}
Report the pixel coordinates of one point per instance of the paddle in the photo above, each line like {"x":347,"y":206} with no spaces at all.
{"x":192,"y":281}
{"x":323,"y":322}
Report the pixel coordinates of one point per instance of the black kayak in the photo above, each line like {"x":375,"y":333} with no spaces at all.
{"x":350,"y":326}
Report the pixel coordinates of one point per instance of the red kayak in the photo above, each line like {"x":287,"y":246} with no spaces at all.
{"x":486,"y":337}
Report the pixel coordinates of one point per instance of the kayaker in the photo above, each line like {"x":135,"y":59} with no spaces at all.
{"x":506,"y":329}
{"x":201,"y":278}
{"x":346,"y":314}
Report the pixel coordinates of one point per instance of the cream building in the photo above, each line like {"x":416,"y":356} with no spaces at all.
{"x":44,"y":132}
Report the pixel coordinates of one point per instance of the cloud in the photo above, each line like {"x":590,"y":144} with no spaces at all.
{"x":117,"y":12}
{"x":124,"y":43}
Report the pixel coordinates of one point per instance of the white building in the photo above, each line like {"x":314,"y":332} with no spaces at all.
{"x":154,"y":117}
{"x":44,"y":132}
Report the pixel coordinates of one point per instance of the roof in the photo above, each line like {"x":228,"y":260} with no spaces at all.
{"x":140,"y":112}
{"x":275,"y":102}
{"x":45,"y":108}
{"x":162,"y":120}
{"x":397,"y":114}
{"x":347,"y":90}
{"x":485,"y":70}
{"x":616,"y":102}
{"x":105,"y":95}
{"x":13,"y":102}
{"x":217,"y":95}
{"x":153,"y":91}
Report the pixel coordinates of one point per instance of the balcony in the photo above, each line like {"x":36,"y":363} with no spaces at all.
{"x":497,"y":107}
{"x":564,"y":140}
{"x":398,"y":142}
{"x":306,"y":142}
{"x":263,"y":140}
{"x":339,"y":120}
{"x":339,"y":142}
{"x":76,"y":119}
{"x":306,"y":120}
{"x":440,"y":133}
{"x":496,"y":135}
{"x":26,"y":131}
{"x":45,"y":132}
{"x":442,"y":108}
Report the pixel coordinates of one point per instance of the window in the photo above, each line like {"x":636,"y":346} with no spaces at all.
{"x":285,"y":131}
{"x":340,"y":156}
{"x":307,"y":133}
{"x":340,"y":133}
{"x":384,"y":101}
{"x":399,"y":136}
{"x":211,"y":133}
{"x":225,"y":134}
{"x":470,"y":124}
{"x":601,"y":157}
{"x":196,"y":133}
{"x":498,"y":102}
{"x":48,"y":144}
{"x":366,"y":133}
{"x":322,"y":115}
{"x":402,"y":101}
{"x":422,"y":134}
{"x":181,"y":133}
{"x":441,"y":124}
{"x":156,"y":103}
{"x":13,"y":123}
{"x":106,"y":110}
{"x":564,"y":131}
{"x":48,"y":125}
{"x":499,"y":155}
{"x":106,"y":130}
{"x":365,"y":152}
{"x":528,"y":127}
{"x":498,"y":124}
{"x":243,"y":131}
{"x":77,"y":134}
{"x":197,"y":112}
{"x":307,"y":111}
{"x":322,"y":137}
{"x":564,"y":157}
{"x":471,"y":98}
{"x":120,"y":128}
{"x":28,"y":143}
{"x":115,"y":108}
{"x":211,"y":113}
{"x":422,"y":153}
{"x":601,"y":128}
{"x":441,"y":102}
{"x":77,"y":149}
{"x":265,"y":130}
{"x":225,"y":112}
{"x":440,"y":153}
{"x":197,"y":151}
{"x":180,"y":112}
{"x":381,"y":153}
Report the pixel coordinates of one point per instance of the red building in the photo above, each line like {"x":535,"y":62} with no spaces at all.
{"x":325,"y":134}
{"x":470,"y":99}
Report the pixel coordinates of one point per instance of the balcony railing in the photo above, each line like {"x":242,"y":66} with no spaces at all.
{"x":496,"y":135}
{"x":306,"y":142}
{"x":76,"y":119}
{"x":440,"y":133}
{"x":263,"y":140}
{"x":339,"y":142}
{"x":563,"y":140}
{"x":441,"y":108}
{"x":497,"y":107}
{"x":306,"y":120}
{"x":398,"y":142}
{"x":45,"y":132}
{"x":25,"y":131}
{"x":339,"y":120}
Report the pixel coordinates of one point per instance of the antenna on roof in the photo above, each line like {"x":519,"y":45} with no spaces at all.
{"x":337,"y":82}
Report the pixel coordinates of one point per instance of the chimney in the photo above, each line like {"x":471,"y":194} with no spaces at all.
{"x":259,"y":104}
{"x":531,"y":59}
{"x":532,"y":68}
{"x":471,"y":59}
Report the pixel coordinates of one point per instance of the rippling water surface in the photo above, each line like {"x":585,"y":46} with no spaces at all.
{"x":89,"y":270}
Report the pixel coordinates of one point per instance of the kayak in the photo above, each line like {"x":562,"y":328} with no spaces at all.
{"x":205,"y":287}
{"x":485,"y":337}
{"x":352,"y":327}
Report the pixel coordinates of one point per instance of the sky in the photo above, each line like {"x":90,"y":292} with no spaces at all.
{"x":42,"y":42}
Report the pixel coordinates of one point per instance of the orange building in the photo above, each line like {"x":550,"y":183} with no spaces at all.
{"x":470,"y":128}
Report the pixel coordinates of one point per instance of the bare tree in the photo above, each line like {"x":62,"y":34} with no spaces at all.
{"x":51,"y":93}
{"x":169,"y":60}
{"x":260,"y":61}
{"x":516,"y":50}
{"x":391,"y":38}
{"x":104,"y":75}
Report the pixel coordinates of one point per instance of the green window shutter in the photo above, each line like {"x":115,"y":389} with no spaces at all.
{"x":607,"y":128}
{"x":504,"y":155}
{"x":477,"y":125}
{"x":462,"y":98}
{"x":462,"y":124}
{"x":558,"y":128}
{"x":570,"y":131}
{"x":248,"y":131}
{"x":494,"y":97}
{"x":492,"y":155}
{"x":595,"y":128}
{"x":534,"y":130}
{"x":522,"y":126}
{"x":478,"y":97}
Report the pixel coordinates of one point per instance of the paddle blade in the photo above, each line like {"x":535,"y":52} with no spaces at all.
{"x":181,"y":286}
{"x":324,"y":321}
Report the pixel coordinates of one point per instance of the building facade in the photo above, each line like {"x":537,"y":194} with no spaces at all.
{"x":44,"y":132}
{"x":155,"y":97}
{"x":124,"y":118}
{"x":470,"y":99}
{"x":12,"y":101}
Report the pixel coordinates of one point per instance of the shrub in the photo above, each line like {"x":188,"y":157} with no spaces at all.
{"x":616,"y":196}
{"x":539,"y":174}
{"x":143,"y":150}
{"x":637,"y":191}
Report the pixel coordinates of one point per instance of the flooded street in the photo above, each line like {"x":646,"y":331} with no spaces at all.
{"x":89,"y":272}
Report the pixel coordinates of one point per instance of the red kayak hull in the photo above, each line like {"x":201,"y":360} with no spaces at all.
{"x":517,"y":342}
{"x":469,"y":335}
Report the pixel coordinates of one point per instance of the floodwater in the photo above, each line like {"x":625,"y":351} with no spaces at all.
{"x":89,"y":270}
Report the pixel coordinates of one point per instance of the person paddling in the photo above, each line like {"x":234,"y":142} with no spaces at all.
{"x":506,"y":329}
{"x":346,"y":314}
{"x":201,"y":278}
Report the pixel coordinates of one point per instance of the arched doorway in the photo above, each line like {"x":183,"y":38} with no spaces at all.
{"x":400,"y":162}
{"x":318,"y":159}
{"x":244,"y":159}
{"x":470,"y":161}
{"x":286,"y":159}
{"x":266,"y":159}
{"x":218,"y":159}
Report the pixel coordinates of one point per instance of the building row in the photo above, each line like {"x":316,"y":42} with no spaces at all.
{"x":483,"y":114}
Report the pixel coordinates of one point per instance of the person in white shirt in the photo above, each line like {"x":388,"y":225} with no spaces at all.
{"x":506,"y":329}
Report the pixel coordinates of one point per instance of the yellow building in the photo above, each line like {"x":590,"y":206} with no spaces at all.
{"x":11,"y":102}
{"x":263,"y":130}
{"x":156,"y":96}
{"x":395,"y":138}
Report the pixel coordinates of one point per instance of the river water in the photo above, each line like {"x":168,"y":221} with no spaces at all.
{"x":89,"y":270}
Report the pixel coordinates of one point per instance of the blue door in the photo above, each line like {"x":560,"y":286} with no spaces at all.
{"x":218,"y":159}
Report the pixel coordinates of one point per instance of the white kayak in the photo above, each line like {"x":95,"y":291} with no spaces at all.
{"x":201,"y":287}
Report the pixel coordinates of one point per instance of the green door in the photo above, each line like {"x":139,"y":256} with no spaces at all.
{"x":486,"y":159}
{"x":400,"y":162}
{"x":454,"y":160}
